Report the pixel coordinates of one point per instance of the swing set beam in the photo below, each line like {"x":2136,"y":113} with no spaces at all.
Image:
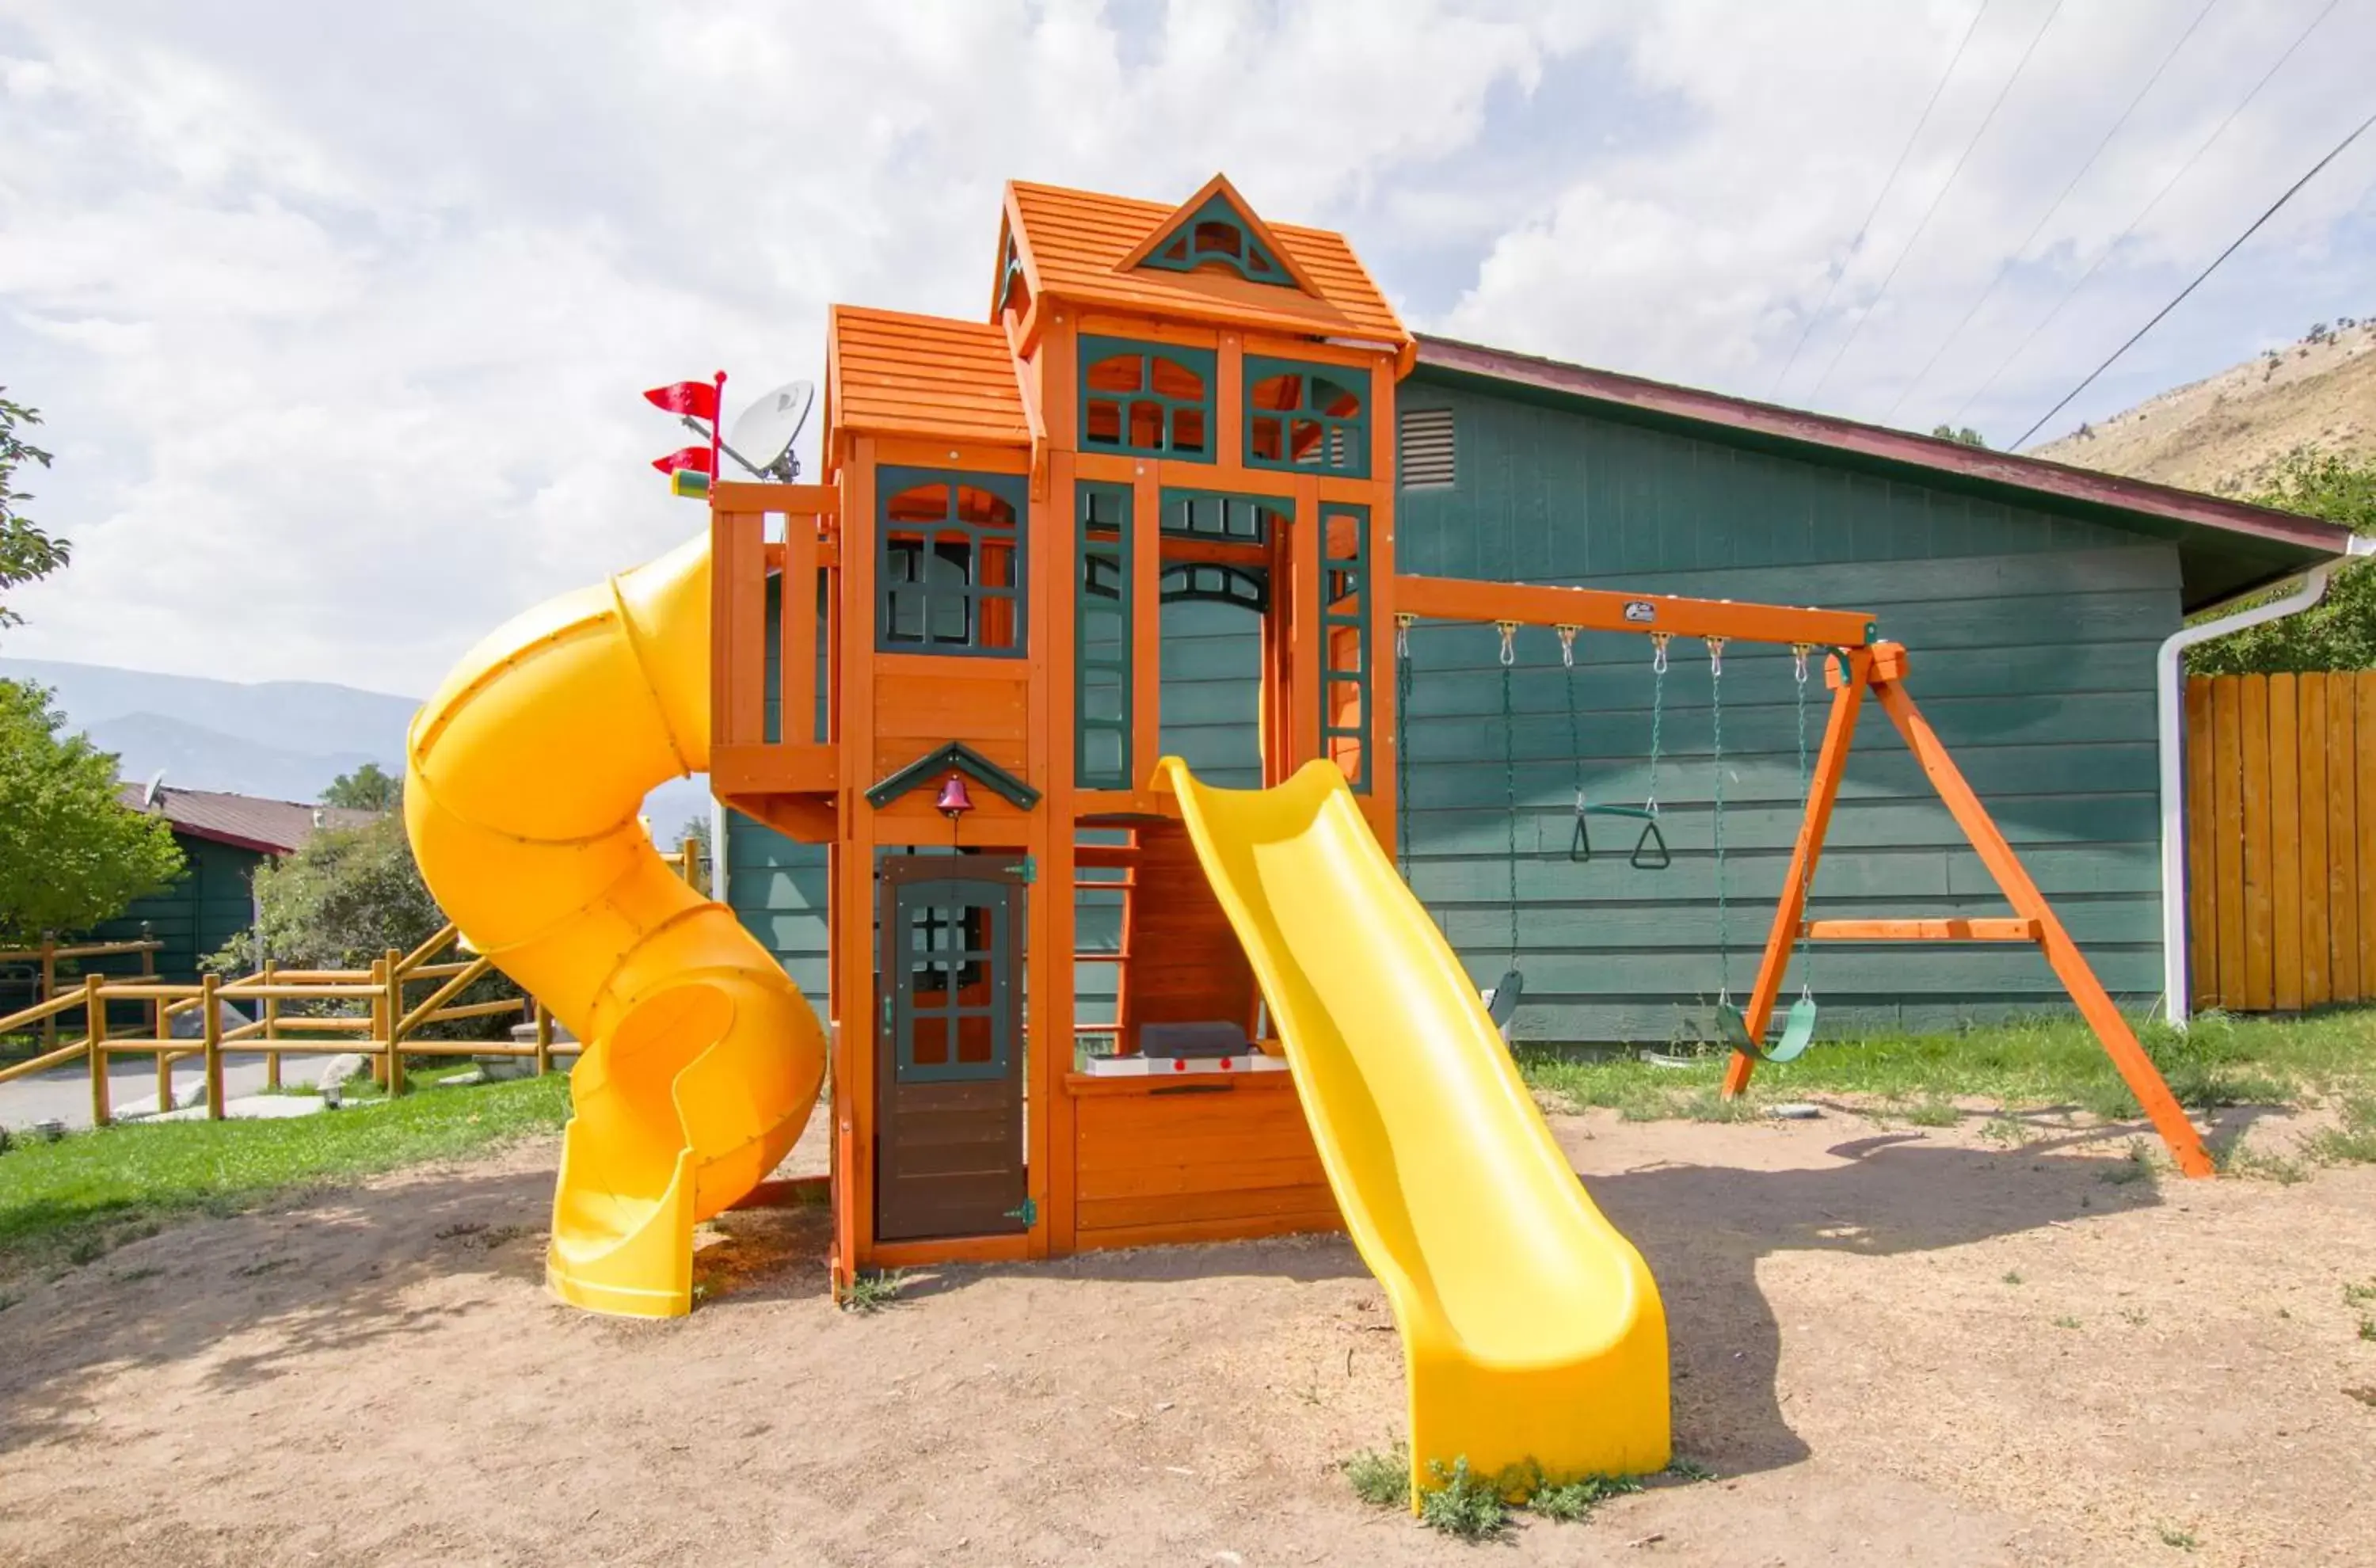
{"x":1871,"y":667}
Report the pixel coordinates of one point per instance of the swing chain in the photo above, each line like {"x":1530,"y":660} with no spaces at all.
{"x":1509,"y":776}
{"x":1799,"y":654}
{"x":1715,"y":727}
{"x":1657,"y":715}
{"x":1401,"y":743}
{"x":1575,"y":728}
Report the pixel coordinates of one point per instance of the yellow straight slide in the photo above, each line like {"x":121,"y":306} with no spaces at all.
{"x":1531,"y":1329}
{"x":524,"y":774}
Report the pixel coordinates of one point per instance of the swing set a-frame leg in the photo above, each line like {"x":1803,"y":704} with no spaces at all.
{"x":1884,"y":669}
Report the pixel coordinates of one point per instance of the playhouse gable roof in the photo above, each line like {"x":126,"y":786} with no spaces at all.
{"x":893,"y":374}
{"x":1111,"y":251}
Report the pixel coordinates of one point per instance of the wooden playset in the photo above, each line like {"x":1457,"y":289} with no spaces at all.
{"x":944,"y":662}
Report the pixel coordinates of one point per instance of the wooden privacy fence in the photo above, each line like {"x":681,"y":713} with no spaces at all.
{"x":2281,"y":840}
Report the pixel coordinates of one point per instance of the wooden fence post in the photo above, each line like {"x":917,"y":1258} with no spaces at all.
{"x":379,"y":1021}
{"x":271,"y":1028}
{"x":161,"y":1026}
{"x":395,"y":1022}
{"x":543,"y":1040}
{"x":212,"y":1035}
{"x":94,"y":1014}
{"x":148,"y":972}
{"x":691,"y":851}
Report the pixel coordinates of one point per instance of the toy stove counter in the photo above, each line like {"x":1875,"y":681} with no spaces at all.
{"x":1180,"y":1067}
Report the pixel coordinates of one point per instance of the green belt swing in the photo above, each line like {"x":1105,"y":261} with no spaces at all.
{"x":1650,"y":848}
{"x":1798,"y":1025}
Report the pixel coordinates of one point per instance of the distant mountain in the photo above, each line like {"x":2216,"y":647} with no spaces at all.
{"x":197,"y":759}
{"x":2226,"y":432}
{"x":303,"y":715}
{"x":282,"y":740}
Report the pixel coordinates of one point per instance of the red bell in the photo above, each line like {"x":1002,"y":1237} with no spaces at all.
{"x":953,"y":802}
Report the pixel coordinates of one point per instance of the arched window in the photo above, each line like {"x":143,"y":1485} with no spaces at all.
{"x":1147,"y":398}
{"x":1306,"y":416}
{"x":1220,"y":240}
{"x":950,"y":563}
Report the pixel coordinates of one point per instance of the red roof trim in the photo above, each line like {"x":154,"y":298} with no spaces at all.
{"x":217,"y":836}
{"x":1930,"y":452}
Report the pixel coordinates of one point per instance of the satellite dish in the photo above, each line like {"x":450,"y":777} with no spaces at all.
{"x":764,"y":431}
{"x":149,"y":795}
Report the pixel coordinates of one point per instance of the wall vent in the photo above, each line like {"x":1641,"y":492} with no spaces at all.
{"x":1424,"y":448}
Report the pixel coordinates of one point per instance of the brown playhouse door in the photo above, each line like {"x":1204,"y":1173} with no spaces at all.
{"x":949,"y":1062}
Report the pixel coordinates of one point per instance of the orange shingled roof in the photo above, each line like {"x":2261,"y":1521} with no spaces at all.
{"x":895,"y":373}
{"x":1073,"y":242}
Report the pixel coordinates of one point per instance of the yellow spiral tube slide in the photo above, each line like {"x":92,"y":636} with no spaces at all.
{"x":701,"y":1062}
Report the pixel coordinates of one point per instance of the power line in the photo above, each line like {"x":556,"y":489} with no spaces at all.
{"x":2015,"y":254}
{"x":1908,"y":249}
{"x":2223,"y":255}
{"x":1886,"y":186}
{"x":2146,"y":211}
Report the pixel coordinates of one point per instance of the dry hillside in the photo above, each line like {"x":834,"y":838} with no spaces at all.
{"x":2225,"y":433}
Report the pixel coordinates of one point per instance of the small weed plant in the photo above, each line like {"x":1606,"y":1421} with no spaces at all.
{"x":1933,"y":1112}
{"x":2182,"y":1540}
{"x":2354,"y":1141}
{"x":873,"y":1293}
{"x":1381,"y":1478}
{"x":1573,"y":1501}
{"x":1685,"y":1468}
{"x":1461,"y":1503}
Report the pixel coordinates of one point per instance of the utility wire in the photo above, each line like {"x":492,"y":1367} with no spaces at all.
{"x":2015,"y":254}
{"x":1908,"y":249}
{"x":1887,"y":186}
{"x":2290,"y":192}
{"x":2146,"y":211}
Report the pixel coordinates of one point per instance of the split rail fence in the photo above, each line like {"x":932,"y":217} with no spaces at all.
{"x":377,"y":1013}
{"x":2281,"y":840}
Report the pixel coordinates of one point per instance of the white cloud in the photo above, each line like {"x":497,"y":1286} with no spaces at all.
{"x":339,"y":313}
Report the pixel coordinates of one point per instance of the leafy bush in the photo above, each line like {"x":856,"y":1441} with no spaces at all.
{"x":2340,"y":634}
{"x":1461,"y":1503}
{"x":71,"y":853}
{"x":1381,"y":1478}
{"x":341,"y":902}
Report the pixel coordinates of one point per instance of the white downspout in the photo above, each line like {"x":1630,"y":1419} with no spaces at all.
{"x":2170,"y":735}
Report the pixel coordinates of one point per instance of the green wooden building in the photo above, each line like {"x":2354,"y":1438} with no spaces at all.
{"x":223,"y":839}
{"x":2032,"y":597}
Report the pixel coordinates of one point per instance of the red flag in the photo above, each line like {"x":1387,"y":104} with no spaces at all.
{"x":698,"y":398}
{"x":695,"y":459}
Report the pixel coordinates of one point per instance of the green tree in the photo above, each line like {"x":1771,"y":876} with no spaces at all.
{"x":1966,"y":436}
{"x":367,"y":789}
{"x":71,"y":853}
{"x":2341,"y":633}
{"x":344,"y":898}
{"x":26,"y":553}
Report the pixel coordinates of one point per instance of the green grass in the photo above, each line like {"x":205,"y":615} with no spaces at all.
{"x":74,"y":1199}
{"x":2041,"y":1062}
{"x":1573,"y":1500}
{"x":2353,"y":1141}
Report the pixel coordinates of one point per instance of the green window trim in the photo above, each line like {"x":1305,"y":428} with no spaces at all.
{"x":1102,"y":622}
{"x":957,"y":936}
{"x":1345,"y":635}
{"x":1167,"y":412}
{"x":931,"y":596}
{"x":1307,"y":418}
{"x":1211,"y":514}
{"x":1216,"y":234}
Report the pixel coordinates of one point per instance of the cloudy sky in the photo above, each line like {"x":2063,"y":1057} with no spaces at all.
{"x":339,"y":313}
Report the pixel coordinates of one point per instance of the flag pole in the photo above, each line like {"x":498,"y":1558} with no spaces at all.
{"x":717,"y":425}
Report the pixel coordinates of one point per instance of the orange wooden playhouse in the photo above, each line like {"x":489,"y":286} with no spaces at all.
{"x":961,"y":698}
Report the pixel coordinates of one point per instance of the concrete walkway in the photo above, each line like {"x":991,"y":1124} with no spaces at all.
{"x":65,"y":1095}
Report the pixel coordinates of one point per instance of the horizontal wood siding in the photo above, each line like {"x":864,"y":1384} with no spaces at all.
{"x":1171,"y":1167}
{"x":2032,"y":640}
{"x":212,"y":903}
{"x":777,"y":887}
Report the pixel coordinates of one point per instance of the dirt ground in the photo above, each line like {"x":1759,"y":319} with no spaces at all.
{"x":1893,"y":1345}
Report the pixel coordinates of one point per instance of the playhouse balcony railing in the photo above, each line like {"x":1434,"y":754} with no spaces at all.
{"x":783,"y":537}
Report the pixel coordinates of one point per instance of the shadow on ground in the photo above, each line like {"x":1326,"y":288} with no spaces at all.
{"x":332,"y":1275}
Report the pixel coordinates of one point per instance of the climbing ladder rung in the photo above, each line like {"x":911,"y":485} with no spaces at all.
{"x":1985,"y":929}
